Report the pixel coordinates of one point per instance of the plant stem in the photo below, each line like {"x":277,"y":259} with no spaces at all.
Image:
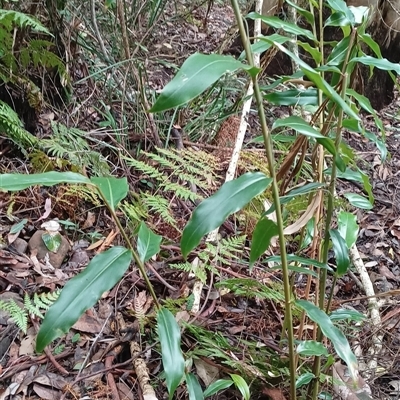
{"x":329,"y":212}
{"x":128,"y":243}
{"x":276,"y":199}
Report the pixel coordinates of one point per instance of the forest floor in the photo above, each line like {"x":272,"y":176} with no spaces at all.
{"x":243,"y":331}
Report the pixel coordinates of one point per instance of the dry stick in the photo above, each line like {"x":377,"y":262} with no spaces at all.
{"x":377,"y":338}
{"x":12,"y":370}
{"x":97,"y":31}
{"x":47,"y":351}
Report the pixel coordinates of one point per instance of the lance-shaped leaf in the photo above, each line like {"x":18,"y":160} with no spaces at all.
{"x":334,"y":334}
{"x":113,"y":189}
{"x":13,"y":182}
{"x":194,"y":388}
{"x":172,"y":358}
{"x":82,"y":292}
{"x":341,"y":252}
{"x":288,"y":27}
{"x":197,"y":73}
{"x":212,"y":212}
{"x":299,"y":125}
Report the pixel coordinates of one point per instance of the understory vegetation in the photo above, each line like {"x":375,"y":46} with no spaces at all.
{"x":202,"y":192}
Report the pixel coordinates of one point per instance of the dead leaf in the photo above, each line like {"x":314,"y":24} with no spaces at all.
{"x":96,"y":244}
{"x":206,"y":372}
{"x":274,"y":394}
{"x":46,"y":393}
{"x":27,"y":347}
{"x":89,"y":323}
{"x":306,"y":216}
{"x":236,"y":329}
{"x":385,"y":271}
{"x":47,"y":209}
{"x":90,"y":220}
{"x":344,"y":384}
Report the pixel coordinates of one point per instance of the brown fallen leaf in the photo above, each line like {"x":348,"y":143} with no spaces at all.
{"x":274,"y":393}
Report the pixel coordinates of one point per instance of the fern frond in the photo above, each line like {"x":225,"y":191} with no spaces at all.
{"x":163,"y":161}
{"x":40,"y":302}
{"x":71,"y":144}
{"x":10,"y":18}
{"x":32,"y":306}
{"x":152,"y":172}
{"x":18,"y":314}
{"x":181,"y":191}
{"x":12,"y":126}
{"x":159,"y":205}
{"x":224,"y":252}
{"x":200,"y":161}
{"x":135,"y":212}
{"x":198,"y":271}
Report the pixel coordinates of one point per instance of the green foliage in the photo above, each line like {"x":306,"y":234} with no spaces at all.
{"x":71,"y":144}
{"x":82,"y":292}
{"x":34,"y":306}
{"x":224,"y":252}
{"x":212,"y":212}
{"x":20,"y":55}
{"x":169,"y":172}
{"x":172,"y":357}
{"x":12,"y":126}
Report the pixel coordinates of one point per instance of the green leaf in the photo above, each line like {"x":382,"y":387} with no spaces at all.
{"x":299,"y":125}
{"x":14,"y":182}
{"x":264,"y":231}
{"x":194,"y":388}
{"x":52,"y":241}
{"x":292,"y":258}
{"x":346,"y":314}
{"x":367,"y":186}
{"x":298,"y":260}
{"x":212,"y":212}
{"x":378,"y":143}
{"x":293,"y":97}
{"x":341,"y":7}
{"x":242,"y":385}
{"x":288,"y":27}
{"x":172,"y":358}
{"x":261,"y":45}
{"x":309,"y":16}
{"x":148,"y":243}
{"x":313,"y":51}
{"x":374,"y":46}
{"x":382,"y":63}
{"x":82,"y":292}
{"x":197,"y":73}
{"x":338,"y":19}
{"x":338,"y":54}
{"x":17,"y":228}
{"x":113,"y":189}
{"x":348,"y":228}
{"x":312,"y":348}
{"x":336,"y":336}
{"x":304,"y":379}
{"x":216,"y":386}
{"x":320,"y":83}
{"x":358,"y":201}
{"x":341,"y":252}
{"x":300,"y":270}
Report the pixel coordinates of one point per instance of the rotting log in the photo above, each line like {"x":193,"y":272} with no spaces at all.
{"x":384,"y":28}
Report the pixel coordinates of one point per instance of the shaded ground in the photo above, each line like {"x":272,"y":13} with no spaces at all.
{"x":245,"y":323}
